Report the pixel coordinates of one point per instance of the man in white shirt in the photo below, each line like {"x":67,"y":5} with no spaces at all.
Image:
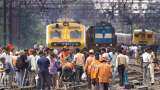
{"x":113,"y":61}
{"x":121,"y":65}
{"x":151,"y":66}
{"x":79,"y":60}
{"x":7,"y":56}
{"x":33,"y":61}
{"x":146,"y":59}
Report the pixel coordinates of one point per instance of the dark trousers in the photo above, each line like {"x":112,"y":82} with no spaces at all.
{"x":79,"y":72}
{"x":44,"y":80}
{"x":89,"y":81}
{"x":103,"y":86}
{"x":95,"y":84}
{"x":121,"y":69}
{"x":67,"y":74}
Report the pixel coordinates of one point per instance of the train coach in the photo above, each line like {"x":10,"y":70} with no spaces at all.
{"x":143,"y":37}
{"x":123,"y":38}
{"x":100,"y":35}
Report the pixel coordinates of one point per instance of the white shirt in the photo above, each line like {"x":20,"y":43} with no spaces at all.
{"x":7,"y":57}
{"x":3,"y":55}
{"x":114,"y":56}
{"x":105,"y":55}
{"x":121,"y":55}
{"x":146,"y":57}
{"x":36,"y":58}
{"x":33,"y":62}
{"x":48,"y":57}
{"x":127,"y":59}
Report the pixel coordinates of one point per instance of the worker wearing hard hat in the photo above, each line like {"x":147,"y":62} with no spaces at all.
{"x":87,"y":67}
{"x":94,"y":69}
{"x":104,"y":73}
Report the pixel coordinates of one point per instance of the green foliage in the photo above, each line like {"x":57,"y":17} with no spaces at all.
{"x":1,"y":35}
{"x":31,"y":30}
{"x":1,"y":27}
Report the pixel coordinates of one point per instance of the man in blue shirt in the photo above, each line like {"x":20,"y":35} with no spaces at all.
{"x":43,"y":72}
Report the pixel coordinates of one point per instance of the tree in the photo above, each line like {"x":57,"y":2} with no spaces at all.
{"x":31,"y":30}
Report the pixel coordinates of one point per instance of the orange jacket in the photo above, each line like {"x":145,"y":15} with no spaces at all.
{"x":94,"y":69}
{"x":104,"y":72}
{"x":88,"y":64}
{"x":14,"y":60}
{"x":68,"y":65}
{"x":63,"y":56}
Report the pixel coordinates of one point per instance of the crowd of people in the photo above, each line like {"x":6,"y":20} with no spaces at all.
{"x":48,"y":67}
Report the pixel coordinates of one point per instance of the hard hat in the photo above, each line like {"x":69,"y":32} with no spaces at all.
{"x":91,"y":51}
{"x":55,"y":51}
{"x":104,"y":56}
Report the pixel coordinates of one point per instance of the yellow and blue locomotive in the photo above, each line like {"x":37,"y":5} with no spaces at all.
{"x":65,"y":33}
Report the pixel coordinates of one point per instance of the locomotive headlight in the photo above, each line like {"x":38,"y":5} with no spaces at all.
{"x":76,"y":44}
{"x":57,"y":25}
{"x":54,"y":44}
{"x":66,"y":24}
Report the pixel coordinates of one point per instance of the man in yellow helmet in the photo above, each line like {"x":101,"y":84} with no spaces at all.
{"x":104,"y":73}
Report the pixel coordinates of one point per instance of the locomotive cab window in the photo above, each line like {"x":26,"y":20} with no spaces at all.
{"x":136,"y":35}
{"x":55,"y":34}
{"x":149,"y":35}
{"x":75,"y":34}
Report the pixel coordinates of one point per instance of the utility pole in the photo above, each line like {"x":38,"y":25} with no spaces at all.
{"x":4,"y":23}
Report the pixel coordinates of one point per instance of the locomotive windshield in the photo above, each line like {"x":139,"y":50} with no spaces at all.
{"x":103,"y":34}
{"x":55,"y":34}
{"x":75,"y":34}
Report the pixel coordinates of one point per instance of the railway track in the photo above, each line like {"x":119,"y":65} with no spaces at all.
{"x":138,"y":69}
{"x":135,"y":74}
